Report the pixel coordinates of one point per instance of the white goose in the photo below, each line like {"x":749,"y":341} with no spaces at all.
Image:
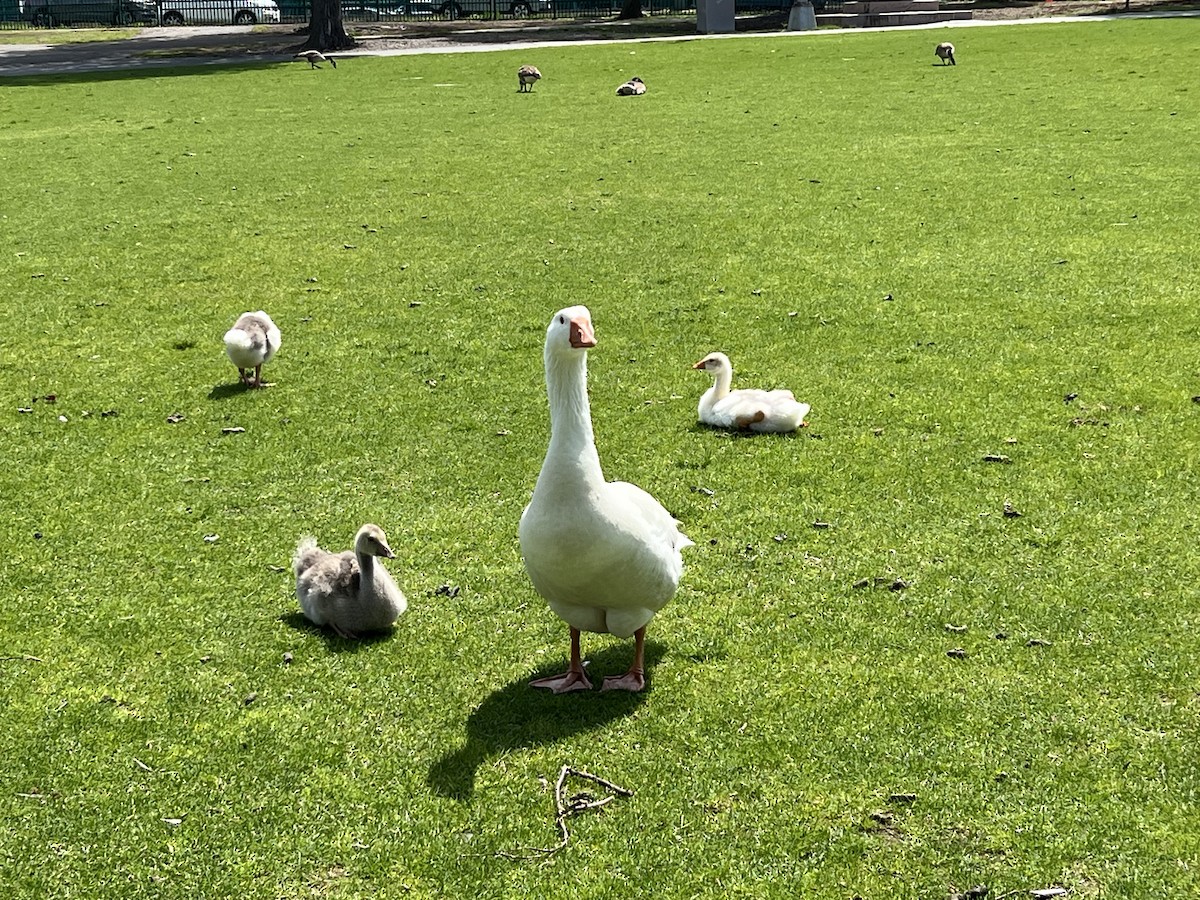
{"x":605,"y":555}
{"x":251,"y":343}
{"x":348,"y":591}
{"x":776,"y":411}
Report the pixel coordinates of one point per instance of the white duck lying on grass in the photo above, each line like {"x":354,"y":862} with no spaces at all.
{"x":350,"y":591}
{"x":605,"y":555}
{"x":251,"y":343}
{"x":775,"y":411}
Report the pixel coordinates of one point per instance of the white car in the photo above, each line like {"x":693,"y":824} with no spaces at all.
{"x":219,"y":12}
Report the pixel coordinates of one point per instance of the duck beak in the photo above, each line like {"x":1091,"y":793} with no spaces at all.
{"x":582,"y":335}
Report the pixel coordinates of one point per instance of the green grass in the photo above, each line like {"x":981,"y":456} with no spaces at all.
{"x":411,"y":223}
{"x":66,"y":35}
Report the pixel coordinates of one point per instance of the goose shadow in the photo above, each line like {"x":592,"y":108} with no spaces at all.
{"x":231,"y":389}
{"x":334,"y":642}
{"x":517,"y":716}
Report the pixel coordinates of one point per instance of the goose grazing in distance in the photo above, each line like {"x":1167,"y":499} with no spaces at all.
{"x":314,"y":57}
{"x":250,"y":344}
{"x":774,"y":411}
{"x":604,"y":555}
{"x":526,"y":76}
{"x":632,"y":88}
{"x":945,"y":52}
{"x":350,"y":591}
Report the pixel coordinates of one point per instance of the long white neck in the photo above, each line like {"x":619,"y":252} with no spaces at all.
{"x":718,"y":392}
{"x":572,"y":458}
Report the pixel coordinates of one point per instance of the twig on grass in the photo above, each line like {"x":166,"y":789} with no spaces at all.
{"x":24,"y":657}
{"x":566,"y":809}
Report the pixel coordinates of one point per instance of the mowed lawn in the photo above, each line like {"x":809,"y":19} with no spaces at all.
{"x":946,"y":637}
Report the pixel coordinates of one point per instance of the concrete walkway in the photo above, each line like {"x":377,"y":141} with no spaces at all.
{"x":157,"y":48}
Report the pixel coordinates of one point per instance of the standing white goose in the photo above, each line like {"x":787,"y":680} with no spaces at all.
{"x":757,"y":410}
{"x":348,"y":591}
{"x":251,"y":343}
{"x":605,"y":555}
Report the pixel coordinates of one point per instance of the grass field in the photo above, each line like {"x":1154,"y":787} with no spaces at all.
{"x":996,"y":261}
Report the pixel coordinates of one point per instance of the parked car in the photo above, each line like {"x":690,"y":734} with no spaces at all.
{"x":456,"y":9}
{"x":48,"y":13}
{"x":381,"y":10}
{"x":219,"y":12}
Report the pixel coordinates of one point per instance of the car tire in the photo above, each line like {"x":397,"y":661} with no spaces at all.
{"x":122,"y":18}
{"x":172,"y":17}
{"x":43,"y":19}
{"x":245,"y":17}
{"x":451,"y":9}
{"x":521,"y":9}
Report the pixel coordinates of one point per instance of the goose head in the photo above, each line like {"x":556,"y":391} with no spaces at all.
{"x":371,"y":541}
{"x":715,"y":363}
{"x":570,"y":329}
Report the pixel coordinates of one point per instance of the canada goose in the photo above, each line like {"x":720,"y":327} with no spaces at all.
{"x":316,"y":56}
{"x":632,"y":88}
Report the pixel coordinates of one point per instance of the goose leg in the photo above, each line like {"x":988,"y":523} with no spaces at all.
{"x":635,"y":679}
{"x":342,"y":632}
{"x":258,"y":376}
{"x":574,"y":679}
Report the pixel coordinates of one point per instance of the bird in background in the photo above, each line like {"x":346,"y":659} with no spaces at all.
{"x":526,"y":76}
{"x":315,"y":57}
{"x":251,"y":343}
{"x":634,"y":87}
{"x":945,"y":52}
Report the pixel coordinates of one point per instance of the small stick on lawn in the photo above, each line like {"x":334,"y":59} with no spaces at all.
{"x":24,"y":657}
{"x":576,"y":805}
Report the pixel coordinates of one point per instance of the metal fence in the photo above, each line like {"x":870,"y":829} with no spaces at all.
{"x":17,"y":14}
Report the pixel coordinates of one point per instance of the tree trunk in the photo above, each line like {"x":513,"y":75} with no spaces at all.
{"x":325,"y":29}
{"x":630,"y":9}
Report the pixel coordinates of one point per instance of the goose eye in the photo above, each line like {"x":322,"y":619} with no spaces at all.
{"x":562,"y":320}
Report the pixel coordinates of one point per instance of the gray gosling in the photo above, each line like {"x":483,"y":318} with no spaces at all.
{"x":351,"y":591}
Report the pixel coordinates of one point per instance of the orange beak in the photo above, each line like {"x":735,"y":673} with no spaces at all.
{"x":700,"y":365}
{"x":582,"y":335}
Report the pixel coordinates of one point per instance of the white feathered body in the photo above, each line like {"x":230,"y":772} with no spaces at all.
{"x":350,"y":591}
{"x":252,"y":340}
{"x":776,"y":411}
{"x":606,"y":556}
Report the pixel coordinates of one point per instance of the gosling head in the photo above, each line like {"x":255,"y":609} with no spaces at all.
{"x":371,"y":541}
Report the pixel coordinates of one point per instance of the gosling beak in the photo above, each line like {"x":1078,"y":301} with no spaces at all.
{"x":703,"y":364}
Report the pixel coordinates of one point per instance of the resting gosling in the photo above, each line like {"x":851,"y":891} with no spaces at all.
{"x":349,"y":591}
{"x":314,"y":57}
{"x":526,"y":76}
{"x":945,"y":52}
{"x":250,"y":344}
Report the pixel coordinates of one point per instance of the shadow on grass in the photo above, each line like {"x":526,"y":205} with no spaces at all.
{"x":334,"y":642}
{"x":225,"y":391}
{"x":517,"y":716}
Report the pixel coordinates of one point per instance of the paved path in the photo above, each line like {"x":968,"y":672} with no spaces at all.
{"x":232,"y":45}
